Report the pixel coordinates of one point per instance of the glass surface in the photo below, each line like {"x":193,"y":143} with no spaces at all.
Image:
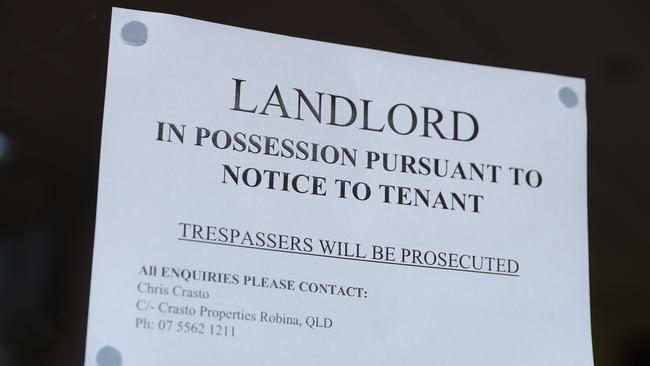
{"x":52,"y":79}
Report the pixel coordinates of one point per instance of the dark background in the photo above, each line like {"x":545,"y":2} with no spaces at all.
{"x":52,"y":77}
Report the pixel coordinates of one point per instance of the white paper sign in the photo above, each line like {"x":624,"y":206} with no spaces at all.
{"x":267,"y":200}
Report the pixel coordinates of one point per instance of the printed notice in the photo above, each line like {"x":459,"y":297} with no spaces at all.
{"x":268,"y":200}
